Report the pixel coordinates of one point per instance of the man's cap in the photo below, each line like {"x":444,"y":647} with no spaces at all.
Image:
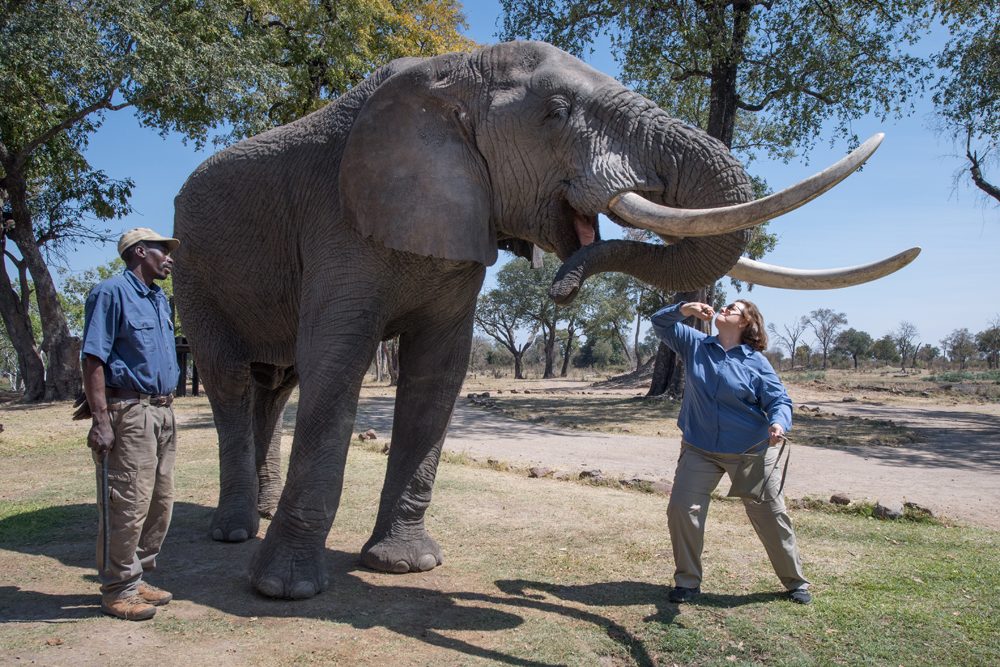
{"x":133,"y":236}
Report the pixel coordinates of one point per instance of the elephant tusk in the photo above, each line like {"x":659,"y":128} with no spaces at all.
{"x":770,"y":275}
{"x":641,"y":212}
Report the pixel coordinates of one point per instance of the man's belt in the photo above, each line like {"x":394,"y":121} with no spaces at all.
{"x":159,"y":400}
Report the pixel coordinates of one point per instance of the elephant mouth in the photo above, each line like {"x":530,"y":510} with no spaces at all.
{"x":578,"y":230}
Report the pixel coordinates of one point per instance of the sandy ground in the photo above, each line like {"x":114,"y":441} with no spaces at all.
{"x":953,"y":469}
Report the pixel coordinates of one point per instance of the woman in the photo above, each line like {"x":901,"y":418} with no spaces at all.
{"x":733,"y":399}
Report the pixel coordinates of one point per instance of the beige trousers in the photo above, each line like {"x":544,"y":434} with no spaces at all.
{"x":141,"y":481}
{"x":698,"y":473}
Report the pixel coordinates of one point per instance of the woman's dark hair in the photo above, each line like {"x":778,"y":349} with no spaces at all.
{"x":755,"y":335}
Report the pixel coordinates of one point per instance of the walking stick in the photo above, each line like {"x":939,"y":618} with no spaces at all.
{"x":105,"y":513}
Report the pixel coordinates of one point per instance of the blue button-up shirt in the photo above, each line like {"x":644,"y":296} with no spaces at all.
{"x":127,"y":326}
{"x":731,"y":397}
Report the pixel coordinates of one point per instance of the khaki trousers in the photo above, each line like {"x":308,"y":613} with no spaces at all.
{"x":141,"y":481}
{"x":698,"y":473}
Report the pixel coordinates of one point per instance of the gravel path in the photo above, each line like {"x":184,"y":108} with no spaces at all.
{"x":954,"y":470}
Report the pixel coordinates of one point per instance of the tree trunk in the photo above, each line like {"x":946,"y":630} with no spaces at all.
{"x":518,"y":371}
{"x":18,"y":324}
{"x":391,"y":350}
{"x":63,"y":379}
{"x":550,"y":352}
{"x":568,"y":351}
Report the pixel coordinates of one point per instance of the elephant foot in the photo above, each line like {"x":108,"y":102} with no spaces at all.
{"x":235,"y":520}
{"x":281,"y":569}
{"x":400,"y":555}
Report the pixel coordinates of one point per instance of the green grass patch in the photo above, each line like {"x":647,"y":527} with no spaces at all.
{"x":966,"y":376}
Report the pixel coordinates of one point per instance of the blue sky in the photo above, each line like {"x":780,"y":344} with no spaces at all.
{"x":905,"y":196}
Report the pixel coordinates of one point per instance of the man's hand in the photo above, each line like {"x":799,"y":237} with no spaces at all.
{"x":101,"y":438}
{"x":702,"y":311}
{"x":776,"y":433}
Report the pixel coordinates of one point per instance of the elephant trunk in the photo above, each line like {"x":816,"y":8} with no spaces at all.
{"x":671,"y":268}
{"x":685,"y":168}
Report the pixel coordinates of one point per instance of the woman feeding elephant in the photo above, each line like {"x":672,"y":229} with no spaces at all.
{"x":377,"y":216}
{"x":733,"y":400}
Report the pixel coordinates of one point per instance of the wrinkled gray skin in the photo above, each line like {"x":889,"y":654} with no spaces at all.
{"x":304,"y":247}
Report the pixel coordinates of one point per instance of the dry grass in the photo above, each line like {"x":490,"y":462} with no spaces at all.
{"x":537,"y":572}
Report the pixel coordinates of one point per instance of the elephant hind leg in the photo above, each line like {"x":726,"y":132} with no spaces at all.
{"x":227,"y":382}
{"x":432,"y":366}
{"x":271,"y":389}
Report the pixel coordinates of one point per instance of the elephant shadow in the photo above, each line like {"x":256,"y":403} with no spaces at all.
{"x":213,"y":574}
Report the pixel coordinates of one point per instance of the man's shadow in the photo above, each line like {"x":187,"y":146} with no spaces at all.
{"x":213,"y":574}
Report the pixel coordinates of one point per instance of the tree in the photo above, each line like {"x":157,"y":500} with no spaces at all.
{"x":826,"y":324}
{"x":791,"y":335}
{"x":857,"y":344}
{"x":905,"y":338}
{"x":885,"y":350}
{"x":966,"y":94}
{"x":180,"y":67}
{"x":928,"y":353}
{"x":988,"y":343}
{"x":959,"y":345}
{"x":499,"y":319}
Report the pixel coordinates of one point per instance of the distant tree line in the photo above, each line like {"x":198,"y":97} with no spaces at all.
{"x":836,"y":345}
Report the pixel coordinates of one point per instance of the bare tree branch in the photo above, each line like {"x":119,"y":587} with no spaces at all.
{"x":975,"y":160}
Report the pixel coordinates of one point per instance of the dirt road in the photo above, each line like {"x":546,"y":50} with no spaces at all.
{"x":954,"y":468}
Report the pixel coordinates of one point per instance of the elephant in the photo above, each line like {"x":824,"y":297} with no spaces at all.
{"x":305,"y":246}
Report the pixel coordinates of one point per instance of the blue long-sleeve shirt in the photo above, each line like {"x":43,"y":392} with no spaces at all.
{"x":127,"y":326}
{"x":731,"y":397}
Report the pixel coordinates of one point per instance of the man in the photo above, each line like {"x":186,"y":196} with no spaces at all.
{"x":129,"y":374}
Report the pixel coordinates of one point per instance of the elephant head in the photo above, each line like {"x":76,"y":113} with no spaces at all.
{"x":521,"y":145}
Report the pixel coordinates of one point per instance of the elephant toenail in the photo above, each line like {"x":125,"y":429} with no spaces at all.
{"x":271,"y":587}
{"x":238,"y":535}
{"x":427,"y":562}
{"x":400,"y":567}
{"x":217,"y":535}
{"x":303,"y":590}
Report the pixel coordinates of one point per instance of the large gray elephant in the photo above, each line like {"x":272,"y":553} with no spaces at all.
{"x":376,"y":216}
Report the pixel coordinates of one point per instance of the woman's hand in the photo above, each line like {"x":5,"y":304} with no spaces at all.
{"x":776,"y":433}
{"x":702,"y":311}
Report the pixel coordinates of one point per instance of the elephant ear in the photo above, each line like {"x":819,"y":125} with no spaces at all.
{"x":411,"y":176}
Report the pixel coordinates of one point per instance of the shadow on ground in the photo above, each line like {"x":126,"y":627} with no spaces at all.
{"x":213,"y":574}
{"x":944,"y":438}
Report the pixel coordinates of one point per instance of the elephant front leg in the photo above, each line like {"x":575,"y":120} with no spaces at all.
{"x":432,"y":367}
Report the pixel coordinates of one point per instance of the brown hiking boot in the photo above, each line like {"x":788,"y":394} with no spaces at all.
{"x":131,"y":608}
{"x":153,"y":595}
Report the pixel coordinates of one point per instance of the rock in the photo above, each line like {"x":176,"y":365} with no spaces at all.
{"x":385,"y":448}
{"x":539,"y":471}
{"x":514,"y":391}
{"x":368,"y":435}
{"x":848,"y":399}
{"x":594,"y":475}
{"x":919,"y":509}
{"x":527,"y":391}
{"x":636,"y":482}
{"x":840,"y":499}
{"x":888,"y":510}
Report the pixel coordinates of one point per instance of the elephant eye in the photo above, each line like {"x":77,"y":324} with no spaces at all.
{"x":559,"y":109}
